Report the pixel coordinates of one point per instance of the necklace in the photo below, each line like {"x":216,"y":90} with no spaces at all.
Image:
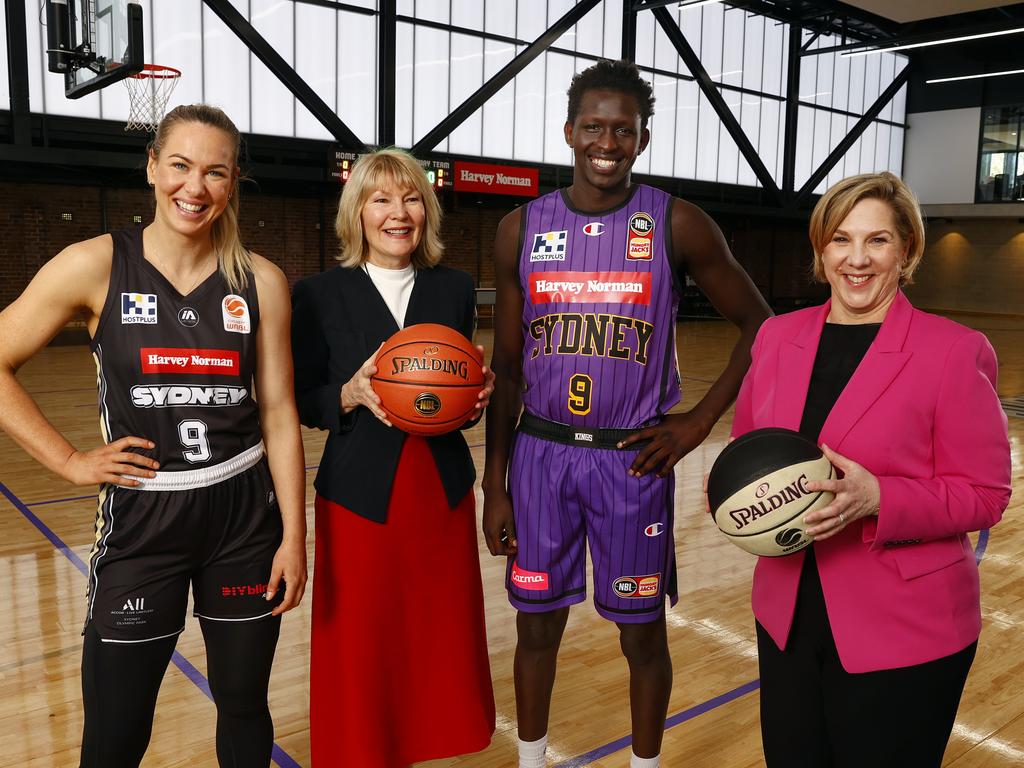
{"x":162,"y":267}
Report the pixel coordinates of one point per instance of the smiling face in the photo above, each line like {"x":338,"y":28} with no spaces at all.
{"x":193,"y":177}
{"x":393,"y":219}
{"x":606,"y":139}
{"x":862,"y":263}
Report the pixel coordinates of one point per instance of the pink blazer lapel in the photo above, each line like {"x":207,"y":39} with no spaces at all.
{"x":884,"y":360}
{"x":796,"y":360}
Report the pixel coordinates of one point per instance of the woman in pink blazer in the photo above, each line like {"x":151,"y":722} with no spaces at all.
{"x":865,"y":638}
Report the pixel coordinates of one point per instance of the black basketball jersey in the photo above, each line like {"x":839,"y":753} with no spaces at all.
{"x":177,"y":370}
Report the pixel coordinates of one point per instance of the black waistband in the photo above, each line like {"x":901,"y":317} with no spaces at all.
{"x":564,"y":433}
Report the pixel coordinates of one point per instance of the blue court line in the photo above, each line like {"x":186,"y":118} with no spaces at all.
{"x":979,"y":550}
{"x":187,"y":668}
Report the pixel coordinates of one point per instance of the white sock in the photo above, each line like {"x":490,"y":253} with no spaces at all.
{"x":644,"y":762}
{"x":531,"y":753}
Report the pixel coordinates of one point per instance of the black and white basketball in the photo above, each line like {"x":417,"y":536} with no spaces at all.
{"x":757,"y":490}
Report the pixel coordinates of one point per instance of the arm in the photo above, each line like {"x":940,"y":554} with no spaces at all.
{"x":279,"y":420}
{"x":506,"y":401}
{"x":700,"y":249}
{"x":73,"y":282}
{"x":969,"y":486}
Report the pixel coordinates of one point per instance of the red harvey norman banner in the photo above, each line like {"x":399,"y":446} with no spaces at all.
{"x":495,"y":179}
{"x":223,"y":362}
{"x":590,"y":287}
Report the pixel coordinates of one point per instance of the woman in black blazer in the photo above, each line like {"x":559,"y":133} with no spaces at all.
{"x":399,"y":669}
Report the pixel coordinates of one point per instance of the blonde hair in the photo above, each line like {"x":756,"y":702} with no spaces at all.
{"x":835,"y":205}
{"x":382,"y":169}
{"x":233,"y":258}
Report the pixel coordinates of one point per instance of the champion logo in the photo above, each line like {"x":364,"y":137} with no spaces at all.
{"x":654,"y":529}
{"x":593,"y":229}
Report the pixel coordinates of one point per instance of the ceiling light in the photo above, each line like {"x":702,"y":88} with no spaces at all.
{"x":975,"y":77}
{"x":905,"y":46}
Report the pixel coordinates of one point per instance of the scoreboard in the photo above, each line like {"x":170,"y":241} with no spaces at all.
{"x":438,"y":169}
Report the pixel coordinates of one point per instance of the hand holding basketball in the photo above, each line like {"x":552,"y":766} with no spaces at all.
{"x":359,"y":391}
{"x":857,"y":495}
{"x":484,"y":398}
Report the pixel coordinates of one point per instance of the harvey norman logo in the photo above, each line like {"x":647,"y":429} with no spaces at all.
{"x":221,"y":362}
{"x":496,"y":179}
{"x":590,"y":287}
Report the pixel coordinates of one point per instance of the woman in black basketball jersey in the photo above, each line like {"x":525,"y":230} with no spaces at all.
{"x":199,"y":482}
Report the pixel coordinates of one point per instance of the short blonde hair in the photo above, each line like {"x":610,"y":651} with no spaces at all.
{"x":385,"y":168}
{"x":835,"y":205}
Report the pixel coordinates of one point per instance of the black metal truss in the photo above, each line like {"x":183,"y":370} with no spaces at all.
{"x":17,"y":71}
{"x":256,"y":43}
{"x":711,"y":92}
{"x":462,"y":112}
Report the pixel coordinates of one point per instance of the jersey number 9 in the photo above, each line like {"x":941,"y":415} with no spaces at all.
{"x":580,"y":388}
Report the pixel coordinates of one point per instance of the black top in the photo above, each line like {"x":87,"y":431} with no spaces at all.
{"x":338,"y":320}
{"x":840,"y":351}
{"x":177,"y":370}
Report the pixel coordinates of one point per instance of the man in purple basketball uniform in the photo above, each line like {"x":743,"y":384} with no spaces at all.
{"x":588,"y":283}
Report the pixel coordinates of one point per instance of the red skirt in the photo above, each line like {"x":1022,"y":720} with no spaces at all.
{"x":399,"y":671}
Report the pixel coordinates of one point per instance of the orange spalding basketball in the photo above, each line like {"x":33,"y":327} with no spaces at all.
{"x":428,"y":379}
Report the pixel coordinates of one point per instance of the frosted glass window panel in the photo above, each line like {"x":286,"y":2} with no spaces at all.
{"x":612,"y":29}
{"x":780,"y":155}
{"x":710,"y":51}
{"x":357,"y":74}
{"x":316,"y":58}
{"x":499,"y":110}
{"x":768,"y":136}
{"x":432,"y":10}
{"x":529,"y":112}
{"x":35,"y":40}
{"x":772,"y":80}
{"x":872,"y":74}
{"x":663,"y":127}
{"x":826,"y":135}
{"x":467,"y":75}
{"x":708,"y":128}
{"x":883,"y":146}
{"x":468,"y":14}
{"x":867,"y":149}
{"x":850,"y":162}
{"x":403,"y":84}
{"x":665,"y":55}
{"x":590,"y":33}
{"x":531,"y":19}
{"x":841,"y":82}
{"x":825,"y":81}
{"x":559,"y":72}
{"x":804,"y":146}
{"x":855,"y":102}
{"x":886,"y":76}
{"x":728,"y":152}
{"x":753,"y":51}
{"x":5,"y":86}
{"x":371,"y":4}
{"x":896,"y":151}
{"x":273,"y":108}
{"x":899,"y":105}
{"x":732,"y":53}
{"x":687,"y":104}
{"x":645,"y":36}
{"x":405,"y":7}
{"x":808,"y":78}
{"x":500,"y":17}
{"x":177,"y":41}
{"x":750,"y":121}
{"x":430,"y":86}
{"x":689,"y":21}
{"x":556,"y":9}
{"x":225,"y":65}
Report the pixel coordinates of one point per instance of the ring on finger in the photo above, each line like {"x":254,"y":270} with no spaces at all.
{"x":842,"y":518}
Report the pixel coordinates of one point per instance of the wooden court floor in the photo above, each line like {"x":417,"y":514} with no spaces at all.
{"x":46,"y":532}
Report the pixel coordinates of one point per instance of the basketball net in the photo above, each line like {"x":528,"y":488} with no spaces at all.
{"x":148,"y":94}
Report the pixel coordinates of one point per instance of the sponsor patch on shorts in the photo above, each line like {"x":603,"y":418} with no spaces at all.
{"x":637,"y":586}
{"x":536,"y":581}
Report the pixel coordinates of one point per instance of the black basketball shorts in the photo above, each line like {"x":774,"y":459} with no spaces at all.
{"x":150,"y":544}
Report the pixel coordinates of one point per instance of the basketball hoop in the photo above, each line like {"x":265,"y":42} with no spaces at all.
{"x":148,"y":93}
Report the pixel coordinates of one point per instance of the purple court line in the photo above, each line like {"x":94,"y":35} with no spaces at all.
{"x":187,"y":668}
{"x":674,"y":720}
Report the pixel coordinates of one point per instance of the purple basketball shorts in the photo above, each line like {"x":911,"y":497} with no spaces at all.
{"x":564,"y":496}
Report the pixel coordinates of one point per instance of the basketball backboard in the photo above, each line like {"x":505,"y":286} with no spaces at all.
{"x":93,"y":42}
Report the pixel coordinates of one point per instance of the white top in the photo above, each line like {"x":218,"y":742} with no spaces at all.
{"x":395,"y":286}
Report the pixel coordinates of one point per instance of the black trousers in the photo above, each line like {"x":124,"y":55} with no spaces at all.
{"x":814,"y":714}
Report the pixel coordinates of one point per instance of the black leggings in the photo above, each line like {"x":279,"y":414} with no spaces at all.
{"x":814,"y":714}
{"x":120,"y":682}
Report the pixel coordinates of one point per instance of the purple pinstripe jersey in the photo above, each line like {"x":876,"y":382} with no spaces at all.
{"x":599,"y":310}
